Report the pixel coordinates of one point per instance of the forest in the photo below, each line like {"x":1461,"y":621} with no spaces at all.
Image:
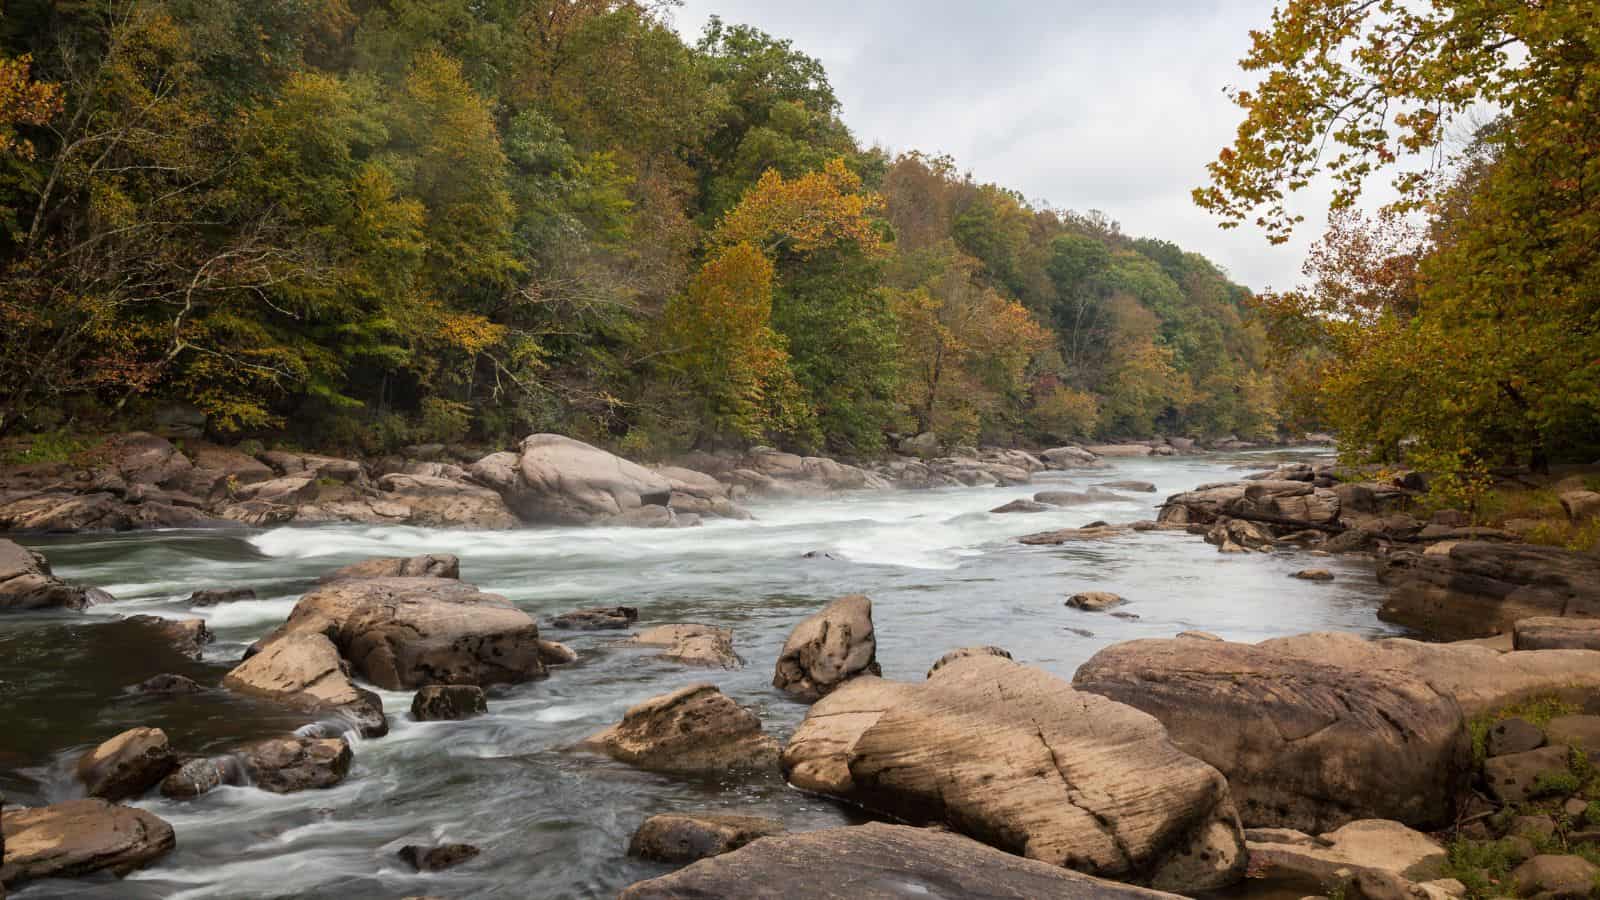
{"x":368,"y":223}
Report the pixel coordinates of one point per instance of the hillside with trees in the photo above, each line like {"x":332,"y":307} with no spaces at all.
{"x":357,"y":224}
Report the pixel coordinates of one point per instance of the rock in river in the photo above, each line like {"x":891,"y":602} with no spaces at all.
{"x":686,"y":837}
{"x":877,"y":862}
{"x":694,"y":645}
{"x":289,"y":764}
{"x":26,"y":583}
{"x":434,"y":859}
{"x":557,"y":480}
{"x":1481,"y":588}
{"x":695,"y":730}
{"x":1015,"y":757}
{"x":430,"y":565}
{"x":127,"y":765}
{"x":598,"y":618}
{"x":1095,"y":601}
{"x":828,"y":649}
{"x":1305,"y":744}
{"x":78,"y":837}
{"x":448,"y":702}
{"x":304,"y":670}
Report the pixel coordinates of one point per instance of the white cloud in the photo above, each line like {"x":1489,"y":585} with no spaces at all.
{"x":1115,"y":107}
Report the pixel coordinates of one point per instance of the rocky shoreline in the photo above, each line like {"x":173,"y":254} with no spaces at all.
{"x":1391,"y":768}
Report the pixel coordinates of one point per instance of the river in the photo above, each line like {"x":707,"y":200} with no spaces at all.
{"x":552,"y":822}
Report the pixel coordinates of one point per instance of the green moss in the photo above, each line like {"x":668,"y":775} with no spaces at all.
{"x":1480,"y":865}
{"x":1556,"y":784}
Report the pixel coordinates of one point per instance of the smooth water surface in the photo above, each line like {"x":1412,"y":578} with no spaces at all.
{"x":553,"y":822}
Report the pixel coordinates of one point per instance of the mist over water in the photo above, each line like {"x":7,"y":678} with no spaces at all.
{"x":552,"y":822}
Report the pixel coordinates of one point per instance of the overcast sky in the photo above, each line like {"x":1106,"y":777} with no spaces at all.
{"x":1081,"y":105}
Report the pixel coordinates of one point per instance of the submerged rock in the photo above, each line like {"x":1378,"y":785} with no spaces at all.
{"x":1095,"y":601}
{"x":434,"y":859}
{"x":218,"y":596}
{"x":79,"y":837}
{"x":431,"y":565}
{"x":200,"y":776}
{"x":598,"y":618}
{"x":877,"y":862}
{"x":696,"y":729}
{"x":686,"y":837}
{"x":694,"y":645}
{"x":1014,"y":756}
{"x":1023,"y":506}
{"x":827,"y":649}
{"x":167,"y":684}
{"x":126,"y":766}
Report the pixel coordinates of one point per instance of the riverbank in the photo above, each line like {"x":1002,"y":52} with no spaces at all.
{"x":941,"y":569}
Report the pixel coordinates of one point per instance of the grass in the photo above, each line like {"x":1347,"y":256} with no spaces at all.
{"x":1480,"y":865}
{"x":45,"y":447}
{"x":1503,"y":504}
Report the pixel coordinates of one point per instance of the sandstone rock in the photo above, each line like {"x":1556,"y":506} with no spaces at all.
{"x":59,"y":513}
{"x":167,"y":684}
{"x":1071,"y":458}
{"x":432,"y":565}
{"x":1512,"y":736}
{"x":687,"y":837}
{"x":1066,"y":498}
{"x":1100,"y":532}
{"x":1556,"y":633}
{"x":696,"y":729}
{"x":126,"y":766}
{"x":1314,"y":575}
{"x":694,"y":645}
{"x":187,"y":636}
{"x":1373,"y":844}
{"x":597,"y":618}
{"x":219,"y":596}
{"x":924,"y":445}
{"x":1095,"y":601}
{"x":1481,"y":679}
{"x":79,"y":837}
{"x":1120,"y":450}
{"x":1022,"y":506}
{"x":1581,"y":507}
{"x":329,"y":468}
{"x":557,"y":480}
{"x":1556,"y":877}
{"x":1305,"y":744}
{"x":1575,"y":731}
{"x":555,"y":653}
{"x":828,"y":649}
{"x":1480,"y":588}
{"x":290,"y":764}
{"x":438,"y":502}
{"x":1516,"y":777}
{"x":1015,"y":756}
{"x":303,"y":669}
{"x":1139,"y":487}
{"x":448,"y":702}
{"x":434,"y":859}
{"x":877,"y":862}
{"x":27,"y":583}
{"x":964,"y":652}
{"x":402,"y":633}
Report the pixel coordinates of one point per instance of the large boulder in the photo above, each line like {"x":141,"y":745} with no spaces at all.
{"x":430,"y":565}
{"x":877,"y":862}
{"x":127,"y":765}
{"x":1481,"y":588}
{"x":557,"y":480}
{"x":26,"y":583}
{"x":304,"y":670}
{"x":694,"y":730}
{"x":1017,"y":758}
{"x":1304,"y":744}
{"x":402,"y":633}
{"x":686,"y":837}
{"x":437,"y":502}
{"x":141,"y":458}
{"x":79,"y":837}
{"x":1071,"y":458}
{"x":828,"y":649}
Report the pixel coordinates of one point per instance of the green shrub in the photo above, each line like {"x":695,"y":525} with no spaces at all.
{"x":45,"y":447}
{"x":1537,"y":711}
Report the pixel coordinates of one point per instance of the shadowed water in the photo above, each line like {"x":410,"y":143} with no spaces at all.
{"x":552,"y":822}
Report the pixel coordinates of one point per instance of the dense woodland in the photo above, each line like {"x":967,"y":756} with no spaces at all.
{"x":367,"y":223}
{"x":1457,"y":329}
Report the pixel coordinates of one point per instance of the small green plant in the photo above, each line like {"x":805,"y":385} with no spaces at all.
{"x":1555,"y":784}
{"x":45,"y":447}
{"x":1480,"y":865}
{"x":251,"y":447}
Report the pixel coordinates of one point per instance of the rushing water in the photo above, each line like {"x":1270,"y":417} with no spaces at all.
{"x":554,"y":822}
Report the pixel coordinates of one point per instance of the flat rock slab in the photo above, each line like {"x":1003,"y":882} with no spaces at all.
{"x":1305,"y":744}
{"x":1014,"y":756}
{"x":877,"y":862}
{"x":692,"y":645}
{"x":78,"y":837}
{"x":1365,"y":844}
{"x":1516,"y":777}
{"x":599,"y":618}
{"x":431,"y":565}
{"x":1556,"y":633}
{"x":1483,"y":588}
{"x":687,"y":837}
{"x":304,"y":670}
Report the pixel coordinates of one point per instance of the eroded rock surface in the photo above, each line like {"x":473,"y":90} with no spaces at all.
{"x":827,"y":649}
{"x":693,"y":645}
{"x":686,"y":837}
{"x":127,"y":765}
{"x":696,"y":729}
{"x":304,"y":670}
{"x":1480,"y":588}
{"x":79,"y":837}
{"x":27,"y":583}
